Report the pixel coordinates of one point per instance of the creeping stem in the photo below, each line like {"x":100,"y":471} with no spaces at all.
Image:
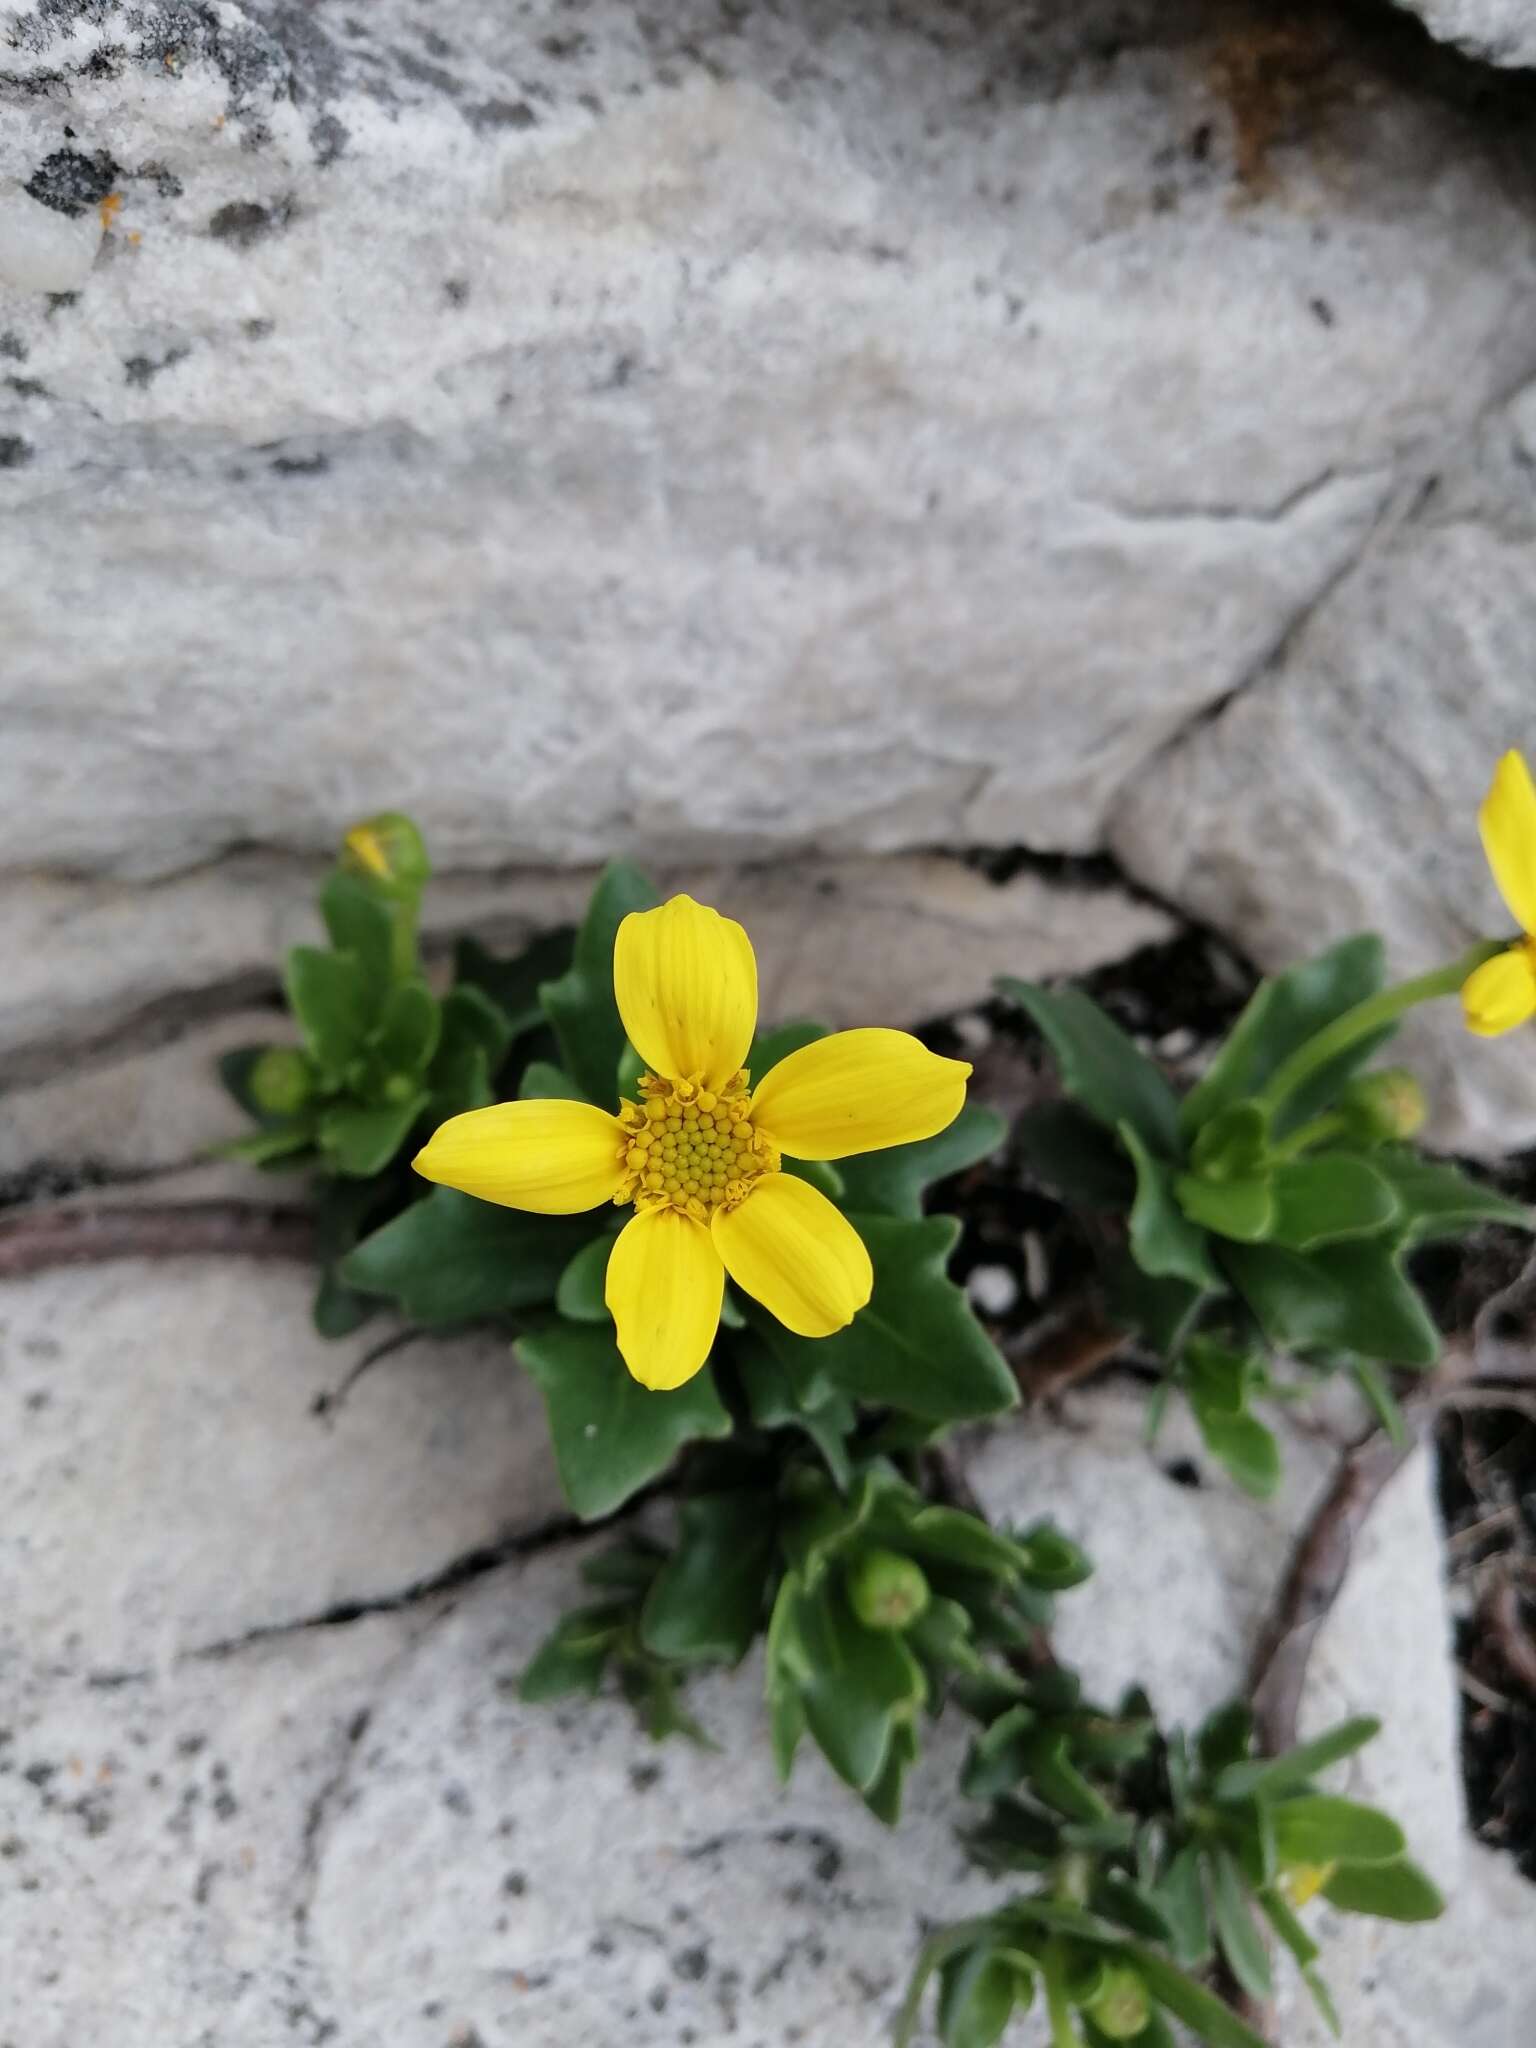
{"x":1373,"y":1015}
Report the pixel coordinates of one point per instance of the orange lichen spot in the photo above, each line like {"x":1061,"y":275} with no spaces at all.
{"x":135,"y":238}
{"x":109,"y":208}
{"x":1278,"y":78}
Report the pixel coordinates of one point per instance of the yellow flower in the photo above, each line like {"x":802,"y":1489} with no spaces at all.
{"x":1502,"y":992}
{"x":1301,"y":1882}
{"x":698,"y":1153}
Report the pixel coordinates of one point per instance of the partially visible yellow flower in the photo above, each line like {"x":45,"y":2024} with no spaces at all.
{"x":1502,"y":992}
{"x":698,"y":1152}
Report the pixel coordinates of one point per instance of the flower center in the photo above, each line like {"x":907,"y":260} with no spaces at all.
{"x":688,"y":1148}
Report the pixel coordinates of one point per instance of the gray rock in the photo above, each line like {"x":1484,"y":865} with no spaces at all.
{"x":1498,"y":31}
{"x":101,"y":974}
{"x":231,"y":1814}
{"x":1415,"y":672}
{"x":707,"y":432}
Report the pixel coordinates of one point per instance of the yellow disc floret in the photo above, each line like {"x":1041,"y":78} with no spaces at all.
{"x":686,"y":1147}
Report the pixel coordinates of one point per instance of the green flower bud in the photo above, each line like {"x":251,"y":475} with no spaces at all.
{"x":1381,"y":1107}
{"x":886,"y":1590}
{"x":388,"y":850}
{"x":281,"y":1081}
{"x":1121,"y":2007}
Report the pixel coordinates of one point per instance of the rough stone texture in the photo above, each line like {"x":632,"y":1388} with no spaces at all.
{"x":1497,"y":31}
{"x":1249,"y":821}
{"x":170,"y":1482}
{"x":351,"y":1831}
{"x":705,"y":430}
{"x":100,"y":971}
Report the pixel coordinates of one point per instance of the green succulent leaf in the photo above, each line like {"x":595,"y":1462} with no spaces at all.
{"x":705,"y":1605}
{"x":1277,"y":1911}
{"x":892,"y":1183}
{"x":611,"y":1435}
{"x":1268,"y":1777}
{"x":1072,"y":1151}
{"x":1205,"y":2015}
{"x":769,"y":1047}
{"x":1282,"y":1014}
{"x":1440,"y":1200}
{"x":1241,"y":1942}
{"x":1180,"y":1897}
{"x":359,"y":923}
{"x":1100,"y":1067}
{"x":580,"y":1294}
{"x":854,"y":1683}
{"x":359,"y":1141}
{"x":512,"y":985}
{"x":1242,"y":1209}
{"x":1327,"y":1197}
{"x":1164,"y":1242}
{"x":1351,"y":1296}
{"x":580,"y":1004}
{"x":574,"y":1657}
{"x":774,"y":1402}
{"x":1314,"y":1827}
{"x":1389,"y":1891}
{"x":977,"y":1991}
{"x":916,"y":1347}
{"x":408,"y":1028}
{"x":543,"y":1081}
{"x":453,"y":1259}
{"x":329,"y":995}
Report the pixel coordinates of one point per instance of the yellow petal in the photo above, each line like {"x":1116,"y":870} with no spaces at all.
{"x":1501,"y":993}
{"x":665,"y":1282}
{"x":1507,"y":822}
{"x":685,"y":980}
{"x":797,"y":1254}
{"x":553,"y":1157}
{"x":858,"y":1091}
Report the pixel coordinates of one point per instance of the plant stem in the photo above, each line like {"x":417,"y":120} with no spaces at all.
{"x":1367,"y":1018}
{"x":1307,"y":1135}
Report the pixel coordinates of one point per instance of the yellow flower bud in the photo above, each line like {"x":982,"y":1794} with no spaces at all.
{"x":387,"y":849}
{"x":1384,"y":1106}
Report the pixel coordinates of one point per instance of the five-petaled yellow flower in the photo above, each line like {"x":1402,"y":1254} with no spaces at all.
{"x":698,"y":1152}
{"x":1502,"y":992}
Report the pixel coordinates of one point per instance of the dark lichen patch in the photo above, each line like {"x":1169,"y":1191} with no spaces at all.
{"x":27,"y":387}
{"x":141,"y":371}
{"x":60,"y":302}
{"x":456,"y":291}
{"x":257,"y":330}
{"x":14,"y":451}
{"x":691,"y":1964}
{"x":12,"y":348}
{"x":73,"y":183}
{"x":328,"y":138}
{"x":245,"y":222}
{"x":501,"y":114}
{"x":314,"y":464}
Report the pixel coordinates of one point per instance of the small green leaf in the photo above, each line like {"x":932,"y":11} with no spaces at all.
{"x":705,"y":1605}
{"x":1180,"y":1896}
{"x":1071,"y":1151}
{"x":338,"y":1310}
{"x":769,"y":1047}
{"x":917,"y":1346}
{"x":1100,"y":1067}
{"x":1281,"y":1015}
{"x":1217,"y":1381}
{"x":976,"y":1998}
{"x":1442,"y":1201}
{"x":1290,"y":1930}
{"x":359,"y":1142}
{"x":1373,"y":1383}
{"x":1267,"y":1777}
{"x":1329,"y":1196}
{"x":513,"y":984}
{"x":358,"y":922}
{"x":1241,"y":1942}
{"x":1351,"y":1296}
{"x":1316,"y":1828}
{"x":1164,"y":1242}
{"x":1233,"y":1145}
{"x":452,"y":1259}
{"x":581,"y":1292}
{"x":572,"y":1659}
{"x":858,"y":1683}
{"x":774,"y":1403}
{"x":266,"y":1147}
{"x":611,"y":1435}
{"x":542,"y":1082}
{"x":408,"y":1030}
{"x":328,"y":994}
{"x":580,"y":1004}
{"x":820,"y":1174}
{"x":1242,"y":1209}
{"x":892,"y":1183}
{"x":1226,"y":1736}
{"x":1200,"y":2010}
{"x":1164,"y":1311}
{"x":1389,"y":1891}
{"x":471,"y":1022}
